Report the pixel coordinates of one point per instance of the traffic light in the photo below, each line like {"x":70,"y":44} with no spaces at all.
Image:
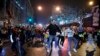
{"x":30,"y":20}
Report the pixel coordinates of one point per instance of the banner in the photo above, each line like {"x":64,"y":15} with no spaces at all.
{"x":95,"y":11}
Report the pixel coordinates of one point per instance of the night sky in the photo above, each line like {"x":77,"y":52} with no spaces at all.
{"x":1,"y":4}
{"x":47,"y":8}
{"x":48,"y":5}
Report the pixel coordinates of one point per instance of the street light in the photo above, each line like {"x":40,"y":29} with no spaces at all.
{"x":91,"y":3}
{"x":39,"y":8}
{"x":57,"y":8}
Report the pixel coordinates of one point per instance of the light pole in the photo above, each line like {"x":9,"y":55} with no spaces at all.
{"x":57,"y":13}
{"x":5,"y":8}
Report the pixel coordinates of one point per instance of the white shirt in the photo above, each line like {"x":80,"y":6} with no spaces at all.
{"x":64,"y":33}
{"x":70,"y":33}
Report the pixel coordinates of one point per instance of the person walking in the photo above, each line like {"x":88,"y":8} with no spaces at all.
{"x":90,"y":46}
{"x":70,"y":34}
{"x":53,"y":29}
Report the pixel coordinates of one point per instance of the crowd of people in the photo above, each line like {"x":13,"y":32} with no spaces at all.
{"x":18,"y":36}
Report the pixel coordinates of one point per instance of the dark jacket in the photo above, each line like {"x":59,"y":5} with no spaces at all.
{"x":53,"y":28}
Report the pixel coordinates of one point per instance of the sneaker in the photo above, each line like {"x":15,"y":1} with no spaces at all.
{"x":46,"y":45}
{"x":48,"y":50}
{"x":69,"y":53}
{"x":74,"y":50}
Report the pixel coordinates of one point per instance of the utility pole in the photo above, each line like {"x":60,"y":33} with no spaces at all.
{"x":5,"y":8}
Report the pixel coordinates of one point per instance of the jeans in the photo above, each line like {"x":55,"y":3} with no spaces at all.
{"x":70,"y":40}
{"x":51,"y":39}
{"x":20,"y":49}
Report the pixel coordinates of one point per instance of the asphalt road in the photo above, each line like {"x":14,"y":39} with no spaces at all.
{"x":41,"y":51}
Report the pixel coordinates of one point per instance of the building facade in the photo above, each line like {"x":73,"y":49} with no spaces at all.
{"x":17,"y":11}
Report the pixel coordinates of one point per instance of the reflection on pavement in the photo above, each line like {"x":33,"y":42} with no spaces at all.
{"x":3,"y":53}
